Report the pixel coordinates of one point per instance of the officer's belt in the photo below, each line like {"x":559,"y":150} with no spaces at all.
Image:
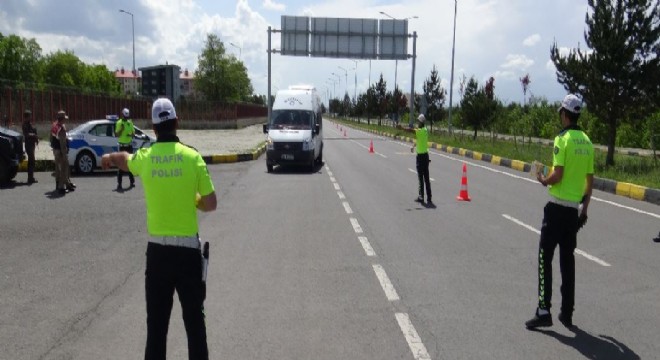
{"x":180,"y":241}
{"x":566,"y":203}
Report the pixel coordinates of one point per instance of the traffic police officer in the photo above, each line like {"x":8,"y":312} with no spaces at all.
{"x":422,"y":145}
{"x":176,"y":182}
{"x":570,"y":182}
{"x":124,"y":130}
{"x":60,"y":146}
{"x":31,"y":141}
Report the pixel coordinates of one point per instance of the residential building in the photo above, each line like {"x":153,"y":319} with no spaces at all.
{"x":129,"y":81}
{"x":187,"y":84}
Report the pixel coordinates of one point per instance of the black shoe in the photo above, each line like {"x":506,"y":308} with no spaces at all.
{"x":119,"y":187}
{"x":657,"y":239}
{"x":430,"y":204}
{"x":539,"y":321}
{"x":132,"y":185}
{"x":69,"y":187}
{"x":61,"y":191}
{"x":32,"y":181}
{"x":566,"y":319}
{"x":420,"y":199}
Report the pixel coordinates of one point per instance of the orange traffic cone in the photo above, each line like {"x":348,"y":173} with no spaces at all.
{"x":371,"y":147}
{"x":463,"y":195}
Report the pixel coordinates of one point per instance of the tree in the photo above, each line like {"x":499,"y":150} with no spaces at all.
{"x":524,"y":82}
{"x":619,"y":76}
{"x":435,"y":96}
{"x":478,"y":105}
{"x":381,"y":97}
{"x":20,"y":59}
{"x":220,"y":77}
{"x":63,"y":68}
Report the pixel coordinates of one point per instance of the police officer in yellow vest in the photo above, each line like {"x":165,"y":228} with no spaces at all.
{"x":124,"y":130}
{"x":176,"y":184}
{"x":570,"y":183}
{"x":422,"y":145}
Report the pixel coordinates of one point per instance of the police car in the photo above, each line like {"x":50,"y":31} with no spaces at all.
{"x":90,"y":141}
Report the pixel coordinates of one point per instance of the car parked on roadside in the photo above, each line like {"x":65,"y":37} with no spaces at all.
{"x":11,"y":153}
{"x":88,"y":142}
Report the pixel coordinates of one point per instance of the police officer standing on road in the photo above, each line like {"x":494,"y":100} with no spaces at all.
{"x":176,"y":181}
{"x":571,"y":182}
{"x":124,"y":130}
{"x":422,"y":145}
{"x":58,"y":143}
{"x":31,"y":141}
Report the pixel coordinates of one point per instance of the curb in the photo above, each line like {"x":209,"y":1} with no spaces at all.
{"x":629,"y":190}
{"x":48,"y":165}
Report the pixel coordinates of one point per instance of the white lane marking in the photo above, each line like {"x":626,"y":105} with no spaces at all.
{"x":366,"y":246}
{"x":329,"y":172}
{"x":385,"y":283}
{"x":356,"y":226}
{"x":415,"y":172}
{"x":538,"y":232}
{"x":657,"y":216}
{"x":332,"y":178}
{"x":341,"y":195}
{"x":347,"y":207}
{"x":336,"y":186}
{"x":367,"y":148}
{"x":414,"y":341}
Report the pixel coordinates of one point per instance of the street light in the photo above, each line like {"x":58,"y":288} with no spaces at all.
{"x":396,"y":61}
{"x":345,"y":79}
{"x":451,"y":81}
{"x":133,"y":26}
{"x":355,"y":89}
{"x":240,"y":50}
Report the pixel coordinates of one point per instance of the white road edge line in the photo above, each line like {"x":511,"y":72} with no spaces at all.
{"x":385,"y":283}
{"x":347,"y":207}
{"x":341,"y":195}
{"x":356,"y":226}
{"x":366,"y":246}
{"x":414,"y":341}
{"x":538,"y":232}
{"x":336,"y":186}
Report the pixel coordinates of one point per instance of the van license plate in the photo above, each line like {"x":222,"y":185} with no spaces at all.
{"x":287,"y":156}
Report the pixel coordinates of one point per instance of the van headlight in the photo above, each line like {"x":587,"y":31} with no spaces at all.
{"x":269,"y":144}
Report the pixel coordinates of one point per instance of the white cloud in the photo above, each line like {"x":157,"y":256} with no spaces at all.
{"x":532,"y":40}
{"x":518,"y":62}
{"x":271,"y":5}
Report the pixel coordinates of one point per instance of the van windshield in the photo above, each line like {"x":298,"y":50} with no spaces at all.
{"x":292,"y":119}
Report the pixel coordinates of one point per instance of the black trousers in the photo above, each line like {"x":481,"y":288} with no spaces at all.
{"x":171,"y":268}
{"x":423,"y":175}
{"x":559,"y":228}
{"x":29,"y":151}
{"x":120,"y":173}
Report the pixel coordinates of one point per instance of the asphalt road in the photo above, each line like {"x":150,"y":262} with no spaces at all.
{"x":335,"y":264}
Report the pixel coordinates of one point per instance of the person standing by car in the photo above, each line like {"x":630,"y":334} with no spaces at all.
{"x":124,"y":130}
{"x":31,"y":141}
{"x":571,"y":182}
{"x":422,"y":145}
{"x":176,"y":183}
{"x":58,"y":143}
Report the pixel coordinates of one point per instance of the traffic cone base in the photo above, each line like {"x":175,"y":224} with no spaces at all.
{"x":463,"y":194}
{"x":371,"y":147}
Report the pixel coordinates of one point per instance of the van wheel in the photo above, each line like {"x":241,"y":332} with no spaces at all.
{"x":319,"y":160}
{"x":269,"y":168}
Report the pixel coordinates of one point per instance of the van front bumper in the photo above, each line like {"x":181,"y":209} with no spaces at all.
{"x":285,"y":157}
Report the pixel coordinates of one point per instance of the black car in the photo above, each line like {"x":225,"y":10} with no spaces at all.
{"x":11,"y":153}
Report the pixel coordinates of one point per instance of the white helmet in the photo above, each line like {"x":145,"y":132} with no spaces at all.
{"x":126,"y":112}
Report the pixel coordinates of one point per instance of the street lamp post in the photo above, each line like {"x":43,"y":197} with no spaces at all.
{"x":240,"y":50}
{"x":451,"y":81}
{"x":133,"y":27}
{"x":345,"y":79}
{"x":355,"y":89}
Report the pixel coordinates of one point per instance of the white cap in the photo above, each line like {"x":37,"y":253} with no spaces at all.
{"x":421,"y":118}
{"x":126,"y":112}
{"x":572,"y":104}
{"x":162,"y":110}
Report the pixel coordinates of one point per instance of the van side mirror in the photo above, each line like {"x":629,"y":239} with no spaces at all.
{"x":265,"y":128}
{"x":317,"y":129}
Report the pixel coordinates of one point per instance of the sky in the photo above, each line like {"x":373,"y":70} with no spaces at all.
{"x":505,"y":39}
